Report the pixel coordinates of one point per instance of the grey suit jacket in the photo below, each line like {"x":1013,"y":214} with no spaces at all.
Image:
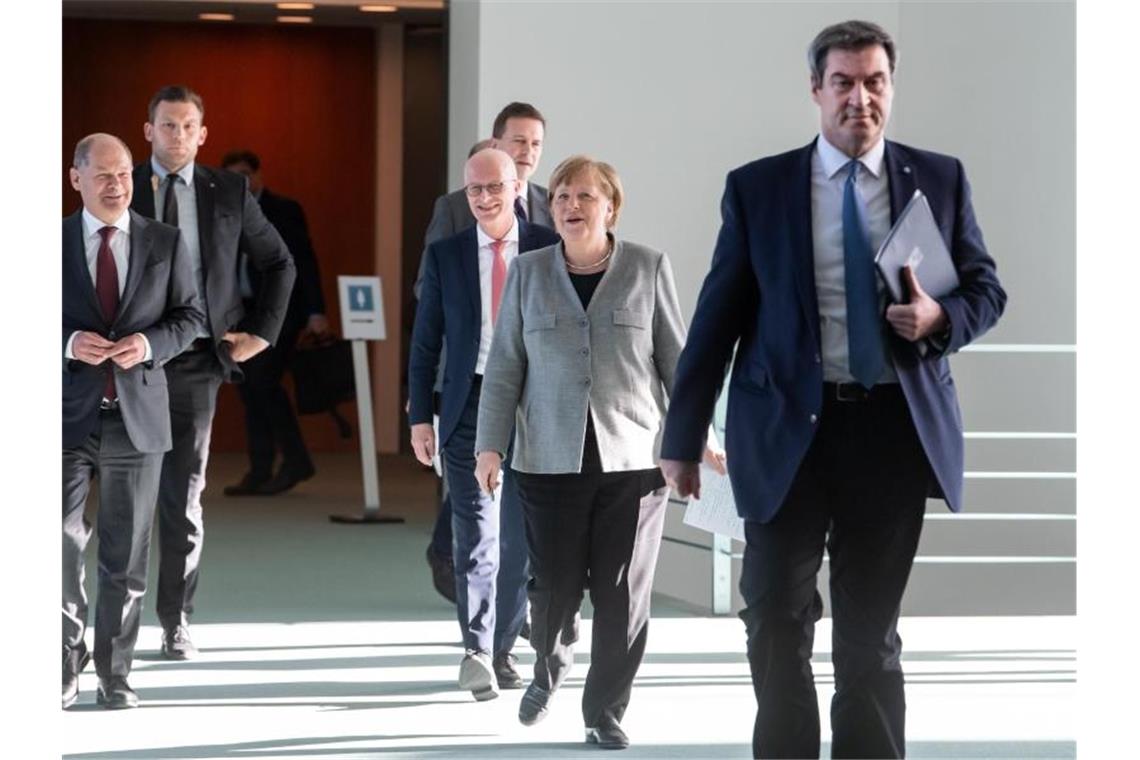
{"x":550,"y":361}
{"x":451,"y":215}
{"x":159,"y":300}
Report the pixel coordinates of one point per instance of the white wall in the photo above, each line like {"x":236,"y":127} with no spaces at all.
{"x":675,"y":94}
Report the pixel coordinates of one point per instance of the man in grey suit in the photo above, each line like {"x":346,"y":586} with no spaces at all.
{"x":219,"y":221}
{"x":519,"y":130}
{"x":129,"y":305}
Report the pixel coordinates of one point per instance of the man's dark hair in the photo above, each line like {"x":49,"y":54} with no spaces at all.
{"x":175,"y":93}
{"x":243,"y":156}
{"x":515,"y":111}
{"x":848,"y":35}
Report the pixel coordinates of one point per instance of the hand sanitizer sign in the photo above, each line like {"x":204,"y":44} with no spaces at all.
{"x":361,"y":308}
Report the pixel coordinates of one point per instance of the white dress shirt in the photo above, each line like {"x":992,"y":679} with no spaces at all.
{"x":486,"y":258}
{"x":828,"y":177}
{"x":120,"y":250}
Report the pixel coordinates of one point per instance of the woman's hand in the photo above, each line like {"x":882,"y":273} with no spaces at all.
{"x":488,"y":465}
{"x":715,"y":458}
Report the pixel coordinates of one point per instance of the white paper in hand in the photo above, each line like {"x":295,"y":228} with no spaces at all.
{"x":436,"y":464}
{"x":715,"y":511}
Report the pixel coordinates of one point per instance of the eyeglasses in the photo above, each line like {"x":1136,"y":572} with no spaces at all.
{"x":493,"y":188}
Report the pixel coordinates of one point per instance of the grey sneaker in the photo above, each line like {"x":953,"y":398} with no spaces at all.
{"x":477,"y":676}
{"x":176,"y":643}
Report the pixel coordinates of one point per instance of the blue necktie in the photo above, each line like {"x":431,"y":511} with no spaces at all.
{"x":520,"y":208}
{"x":864,"y":332}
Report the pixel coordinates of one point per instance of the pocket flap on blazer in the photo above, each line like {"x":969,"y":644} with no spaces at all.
{"x":631,"y":318}
{"x":156,"y":376}
{"x":540,"y":321}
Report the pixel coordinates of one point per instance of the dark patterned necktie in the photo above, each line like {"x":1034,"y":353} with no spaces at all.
{"x":170,"y":201}
{"x":520,"y":208}
{"x":107,"y":290}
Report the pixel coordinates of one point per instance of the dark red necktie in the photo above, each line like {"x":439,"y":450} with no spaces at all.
{"x":107,"y":289}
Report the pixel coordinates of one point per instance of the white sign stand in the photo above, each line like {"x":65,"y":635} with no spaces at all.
{"x":362,"y":319}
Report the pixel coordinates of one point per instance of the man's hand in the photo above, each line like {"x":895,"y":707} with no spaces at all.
{"x":318,"y":324}
{"x":682,"y":477}
{"x":423,"y":442}
{"x":244,"y":346}
{"x":921,"y":317}
{"x":128,"y":351}
{"x":487,"y":467}
{"x":91,"y":348}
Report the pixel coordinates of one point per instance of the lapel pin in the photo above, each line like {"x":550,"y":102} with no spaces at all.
{"x":906,"y":170}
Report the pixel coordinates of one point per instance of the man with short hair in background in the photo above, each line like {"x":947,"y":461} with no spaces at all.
{"x":219,"y":221}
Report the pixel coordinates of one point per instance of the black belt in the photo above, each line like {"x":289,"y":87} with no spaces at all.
{"x":201,"y":344}
{"x":854,"y":393}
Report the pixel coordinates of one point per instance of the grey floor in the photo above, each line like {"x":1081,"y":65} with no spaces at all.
{"x":327,"y":641}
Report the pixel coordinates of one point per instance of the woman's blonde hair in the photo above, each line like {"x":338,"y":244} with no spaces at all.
{"x":606,"y":176}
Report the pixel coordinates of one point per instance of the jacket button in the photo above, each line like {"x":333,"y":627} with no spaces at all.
{"x":583,"y":322}
{"x":585,"y":351}
{"x":586,"y":381}
{"x":112,"y":336}
{"x":814,"y":419}
{"x":817,"y":359}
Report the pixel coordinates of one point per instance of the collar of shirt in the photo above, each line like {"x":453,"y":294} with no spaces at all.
{"x":833,"y":159}
{"x":485,"y":240}
{"x":524,"y":194}
{"x":186,"y":172}
{"x":91,"y":225}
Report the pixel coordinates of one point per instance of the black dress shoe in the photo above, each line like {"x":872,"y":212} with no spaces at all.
{"x":442,"y":574}
{"x":535,"y":704}
{"x":247,"y":486}
{"x":505,"y":672}
{"x":116,"y":694}
{"x":176,"y":643}
{"x":74,"y":661}
{"x":283,"y":480}
{"x":607,"y":734}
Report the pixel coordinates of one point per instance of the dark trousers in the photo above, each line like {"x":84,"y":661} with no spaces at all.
{"x":193,"y":378}
{"x":861,"y":492}
{"x":128,"y":485}
{"x":604,"y":528}
{"x":489,"y":545}
{"x":270,"y":423}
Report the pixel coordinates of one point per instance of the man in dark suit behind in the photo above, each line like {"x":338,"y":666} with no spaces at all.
{"x":518,"y":130}
{"x":219,"y":220}
{"x":270,"y":422}
{"x":129,"y":305}
{"x":462,"y":288}
{"x":840,"y":421}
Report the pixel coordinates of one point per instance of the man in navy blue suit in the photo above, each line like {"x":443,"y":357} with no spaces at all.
{"x":463,"y":277}
{"x":842,"y":414}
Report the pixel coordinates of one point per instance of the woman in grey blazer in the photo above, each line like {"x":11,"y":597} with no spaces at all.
{"x":580,"y":367}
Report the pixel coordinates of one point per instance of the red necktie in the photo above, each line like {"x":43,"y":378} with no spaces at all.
{"x":107,"y":289}
{"x":498,"y":276}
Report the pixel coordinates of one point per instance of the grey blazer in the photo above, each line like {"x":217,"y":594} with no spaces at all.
{"x":550,"y":361}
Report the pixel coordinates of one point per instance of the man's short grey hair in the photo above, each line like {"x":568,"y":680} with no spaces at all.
{"x":83,"y":148}
{"x":848,"y":35}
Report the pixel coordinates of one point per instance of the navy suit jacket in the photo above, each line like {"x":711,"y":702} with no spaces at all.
{"x":759,"y":296}
{"x":451,"y":308}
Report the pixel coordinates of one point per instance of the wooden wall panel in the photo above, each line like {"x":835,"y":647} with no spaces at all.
{"x":302,"y":98}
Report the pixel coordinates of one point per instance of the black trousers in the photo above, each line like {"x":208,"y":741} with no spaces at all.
{"x":604,"y":528}
{"x":193,"y":379}
{"x":270,"y":422}
{"x":128,"y":485}
{"x":861,"y":493}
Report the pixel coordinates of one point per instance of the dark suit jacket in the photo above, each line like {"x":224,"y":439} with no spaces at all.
{"x":760,"y":292}
{"x":450,"y":307}
{"x":159,"y":300}
{"x":230,"y":221}
{"x":452,"y":214}
{"x":288,"y":217}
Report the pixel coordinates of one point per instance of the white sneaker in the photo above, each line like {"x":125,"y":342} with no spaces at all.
{"x":477,"y":676}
